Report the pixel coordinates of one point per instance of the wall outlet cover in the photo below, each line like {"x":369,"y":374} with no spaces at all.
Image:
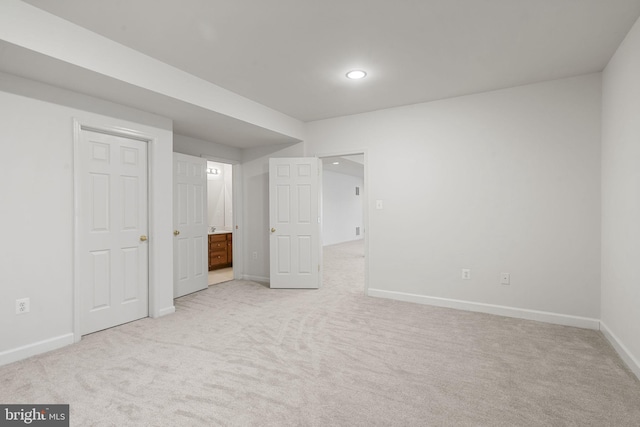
{"x":22,"y":305}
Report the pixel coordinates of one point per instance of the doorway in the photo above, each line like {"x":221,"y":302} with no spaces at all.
{"x":220,"y":220}
{"x":344,"y":208}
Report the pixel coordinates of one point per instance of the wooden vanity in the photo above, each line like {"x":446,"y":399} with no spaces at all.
{"x":220,"y":250}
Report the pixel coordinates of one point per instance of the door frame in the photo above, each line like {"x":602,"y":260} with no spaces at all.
{"x":365,"y":205}
{"x":156,"y":201}
{"x":236,"y":204}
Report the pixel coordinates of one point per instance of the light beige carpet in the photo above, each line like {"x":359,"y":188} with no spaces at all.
{"x":242,"y":354}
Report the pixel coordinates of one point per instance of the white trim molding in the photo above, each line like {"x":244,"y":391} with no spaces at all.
{"x":621,"y":349}
{"x":499,"y":310}
{"x":164,"y":311}
{"x":15,"y":354}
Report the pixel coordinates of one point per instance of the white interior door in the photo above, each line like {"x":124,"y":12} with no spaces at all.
{"x":190,"y":244}
{"x":112,"y":230}
{"x":294,"y":214}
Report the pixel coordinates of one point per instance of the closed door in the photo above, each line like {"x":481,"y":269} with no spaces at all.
{"x":294,"y":215}
{"x":190,"y":244}
{"x":113,"y":227}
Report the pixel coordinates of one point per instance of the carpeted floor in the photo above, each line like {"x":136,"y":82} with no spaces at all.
{"x":220,"y":276}
{"x":239,"y":353}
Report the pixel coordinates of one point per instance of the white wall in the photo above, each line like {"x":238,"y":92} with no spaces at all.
{"x":55,"y":95}
{"x":36,"y":187}
{"x":621,"y":199}
{"x":255,"y":179}
{"x":505,"y":181}
{"x":199,"y":148}
{"x":227,"y":169}
{"x":342,"y":210}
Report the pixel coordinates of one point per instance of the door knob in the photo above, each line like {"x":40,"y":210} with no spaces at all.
{"x":176,"y":232}
{"x":273,"y":230}
{"x":143,"y":238}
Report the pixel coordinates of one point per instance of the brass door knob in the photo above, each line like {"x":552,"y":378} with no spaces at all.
{"x":273,"y":230}
{"x":176,"y":232}
{"x":143,"y":238}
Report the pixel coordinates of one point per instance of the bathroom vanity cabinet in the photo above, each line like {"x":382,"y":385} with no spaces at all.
{"x":220,"y":250}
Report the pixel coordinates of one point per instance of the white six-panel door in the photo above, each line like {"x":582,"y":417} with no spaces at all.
{"x":294,"y":211}
{"x":190,"y":242}
{"x":112,"y":230}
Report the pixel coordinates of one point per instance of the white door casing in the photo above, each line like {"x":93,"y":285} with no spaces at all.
{"x":190,"y":244}
{"x":294,"y":215}
{"x":113,"y":253}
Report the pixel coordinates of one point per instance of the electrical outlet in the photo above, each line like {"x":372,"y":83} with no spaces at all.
{"x":22,"y":306}
{"x":466,"y":274}
{"x":505,"y":278}
{"x":254,"y":255}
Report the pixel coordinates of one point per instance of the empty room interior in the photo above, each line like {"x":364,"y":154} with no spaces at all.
{"x":321,"y":212}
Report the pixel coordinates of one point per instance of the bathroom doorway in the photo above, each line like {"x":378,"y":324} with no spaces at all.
{"x":221,"y":221}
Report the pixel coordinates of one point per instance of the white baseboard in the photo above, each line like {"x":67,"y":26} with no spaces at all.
{"x":500,"y":310}
{"x":15,"y":354}
{"x":621,"y":349}
{"x":256,"y":278}
{"x":165,"y":311}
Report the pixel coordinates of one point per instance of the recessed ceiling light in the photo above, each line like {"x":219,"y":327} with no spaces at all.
{"x":356,"y":74}
{"x":335,"y":163}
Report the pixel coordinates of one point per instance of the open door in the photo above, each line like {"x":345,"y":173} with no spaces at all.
{"x":113,"y":251}
{"x":294,"y":215}
{"x":190,"y":242}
